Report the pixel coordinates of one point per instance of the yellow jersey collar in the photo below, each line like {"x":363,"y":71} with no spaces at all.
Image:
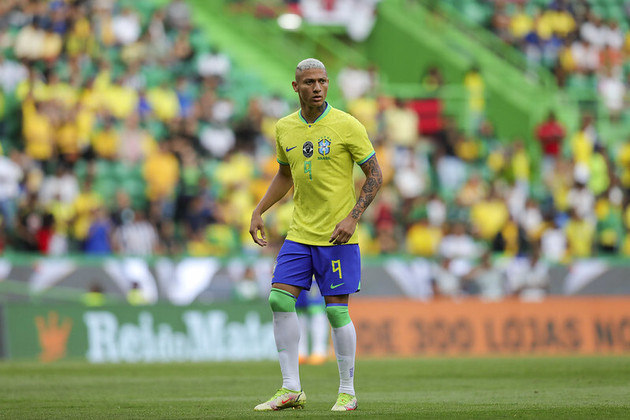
{"x":322,"y":115}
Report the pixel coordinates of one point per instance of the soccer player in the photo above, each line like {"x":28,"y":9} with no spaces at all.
{"x":317,"y":147}
{"x":314,"y":328}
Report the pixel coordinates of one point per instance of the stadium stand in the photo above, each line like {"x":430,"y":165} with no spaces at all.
{"x":127,"y":131}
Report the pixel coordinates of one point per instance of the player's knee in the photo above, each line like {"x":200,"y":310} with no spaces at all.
{"x":338,"y":315}
{"x":281,"y":301}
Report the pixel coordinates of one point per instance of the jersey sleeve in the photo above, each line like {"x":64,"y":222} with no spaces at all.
{"x":358,"y":143}
{"x":281,"y":155}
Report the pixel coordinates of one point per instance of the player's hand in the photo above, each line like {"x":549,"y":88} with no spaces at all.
{"x":343,"y":231}
{"x":258,"y":226}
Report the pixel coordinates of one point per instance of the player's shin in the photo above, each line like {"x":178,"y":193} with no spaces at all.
{"x":303,"y":347}
{"x":286,"y":330}
{"x":345,"y":343}
{"x":320,"y":334}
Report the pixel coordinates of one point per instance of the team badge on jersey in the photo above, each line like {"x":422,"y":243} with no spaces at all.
{"x":324,"y":146}
{"x":307,"y":149}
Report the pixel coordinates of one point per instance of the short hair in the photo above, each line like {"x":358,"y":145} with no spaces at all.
{"x":310,"y":63}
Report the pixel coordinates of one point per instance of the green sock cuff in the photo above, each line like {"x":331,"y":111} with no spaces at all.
{"x":281,"y":300}
{"x":338,"y":315}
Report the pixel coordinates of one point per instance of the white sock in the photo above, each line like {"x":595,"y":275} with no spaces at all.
{"x":303,"y":346}
{"x":320,"y":333}
{"x":286,"y":331}
{"x":345,"y":342}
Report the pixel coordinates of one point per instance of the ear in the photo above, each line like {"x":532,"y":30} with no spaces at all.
{"x":295,"y":86}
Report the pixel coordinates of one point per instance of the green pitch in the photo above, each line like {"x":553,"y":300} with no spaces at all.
{"x":569,"y":388}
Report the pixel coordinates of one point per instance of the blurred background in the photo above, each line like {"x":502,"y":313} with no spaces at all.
{"x":137,"y":137}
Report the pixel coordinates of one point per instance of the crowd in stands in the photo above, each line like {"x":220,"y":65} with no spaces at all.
{"x":122,"y":134}
{"x":586,"y":43}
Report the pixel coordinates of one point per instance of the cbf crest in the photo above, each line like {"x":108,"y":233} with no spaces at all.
{"x":307,"y":149}
{"x":323,"y":146}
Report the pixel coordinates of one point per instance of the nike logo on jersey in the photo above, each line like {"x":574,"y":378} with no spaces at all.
{"x":334,"y":286}
{"x":290,"y":148}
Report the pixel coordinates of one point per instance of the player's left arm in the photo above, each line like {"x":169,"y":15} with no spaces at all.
{"x":373,"y":181}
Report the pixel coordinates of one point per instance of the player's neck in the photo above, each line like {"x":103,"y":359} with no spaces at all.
{"x":310,"y":114}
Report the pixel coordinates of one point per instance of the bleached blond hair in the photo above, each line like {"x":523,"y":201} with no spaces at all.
{"x":310,"y":63}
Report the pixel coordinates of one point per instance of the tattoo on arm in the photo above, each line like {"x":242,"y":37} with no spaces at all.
{"x":373,"y":182}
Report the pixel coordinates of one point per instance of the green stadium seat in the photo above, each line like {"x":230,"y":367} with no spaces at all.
{"x":106,"y":188}
{"x":104,"y":169}
{"x":133,"y":186}
{"x":80,"y":169}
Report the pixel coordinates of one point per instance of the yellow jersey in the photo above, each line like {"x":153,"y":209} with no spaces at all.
{"x":321,"y":156}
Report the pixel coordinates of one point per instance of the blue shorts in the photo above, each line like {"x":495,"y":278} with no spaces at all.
{"x":337,"y":268}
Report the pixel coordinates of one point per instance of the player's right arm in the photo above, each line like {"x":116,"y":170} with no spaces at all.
{"x":280,"y":185}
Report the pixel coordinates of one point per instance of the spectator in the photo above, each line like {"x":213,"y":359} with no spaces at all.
{"x":63,"y":185}
{"x":489,"y":216}
{"x":445,"y":283}
{"x":535,"y":285}
{"x":613,"y":91}
{"x":580,"y":236}
{"x":163,"y":102}
{"x":98,"y":237}
{"x":48,"y":241}
{"x":10,"y":176}
{"x":581,"y":200}
{"x":136,"y":237}
{"x":136,"y":142}
{"x":423,"y":239}
{"x":550,"y":133}
{"x":457,"y":243}
{"x":161,"y":173}
{"x":37,"y":131}
{"x":106,"y":141}
{"x":401,"y":126}
{"x":213,"y":64}
{"x":11,"y":74}
{"x":178,"y":14}
{"x":126,"y":27}
{"x":84,"y":208}
{"x":488,"y":278}
{"x":94,"y":297}
{"x":135,"y":295}
{"x":553,"y":243}
{"x":433,"y":80}
{"x":475,"y":86}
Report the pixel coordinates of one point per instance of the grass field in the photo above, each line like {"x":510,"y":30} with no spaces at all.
{"x":569,"y":388}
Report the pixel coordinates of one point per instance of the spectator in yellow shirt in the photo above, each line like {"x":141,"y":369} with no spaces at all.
{"x":85,"y":205}
{"x":161,"y":172}
{"x":489,"y":216}
{"x":423,"y":239}
{"x":37,"y":131}
{"x":476,"y":88}
{"x":561,"y":21}
{"x":84,"y":120}
{"x":521,"y":23}
{"x":623,"y":157}
{"x":164,"y":102}
{"x":67,"y":138}
{"x":580,"y":235}
{"x":52,"y":46}
{"x":105,"y":141}
{"x":64,"y":94}
{"x":520,"y":163}
{"x":119,"y":100}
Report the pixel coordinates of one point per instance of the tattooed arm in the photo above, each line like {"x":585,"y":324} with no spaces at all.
{"x":374,"y":179}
